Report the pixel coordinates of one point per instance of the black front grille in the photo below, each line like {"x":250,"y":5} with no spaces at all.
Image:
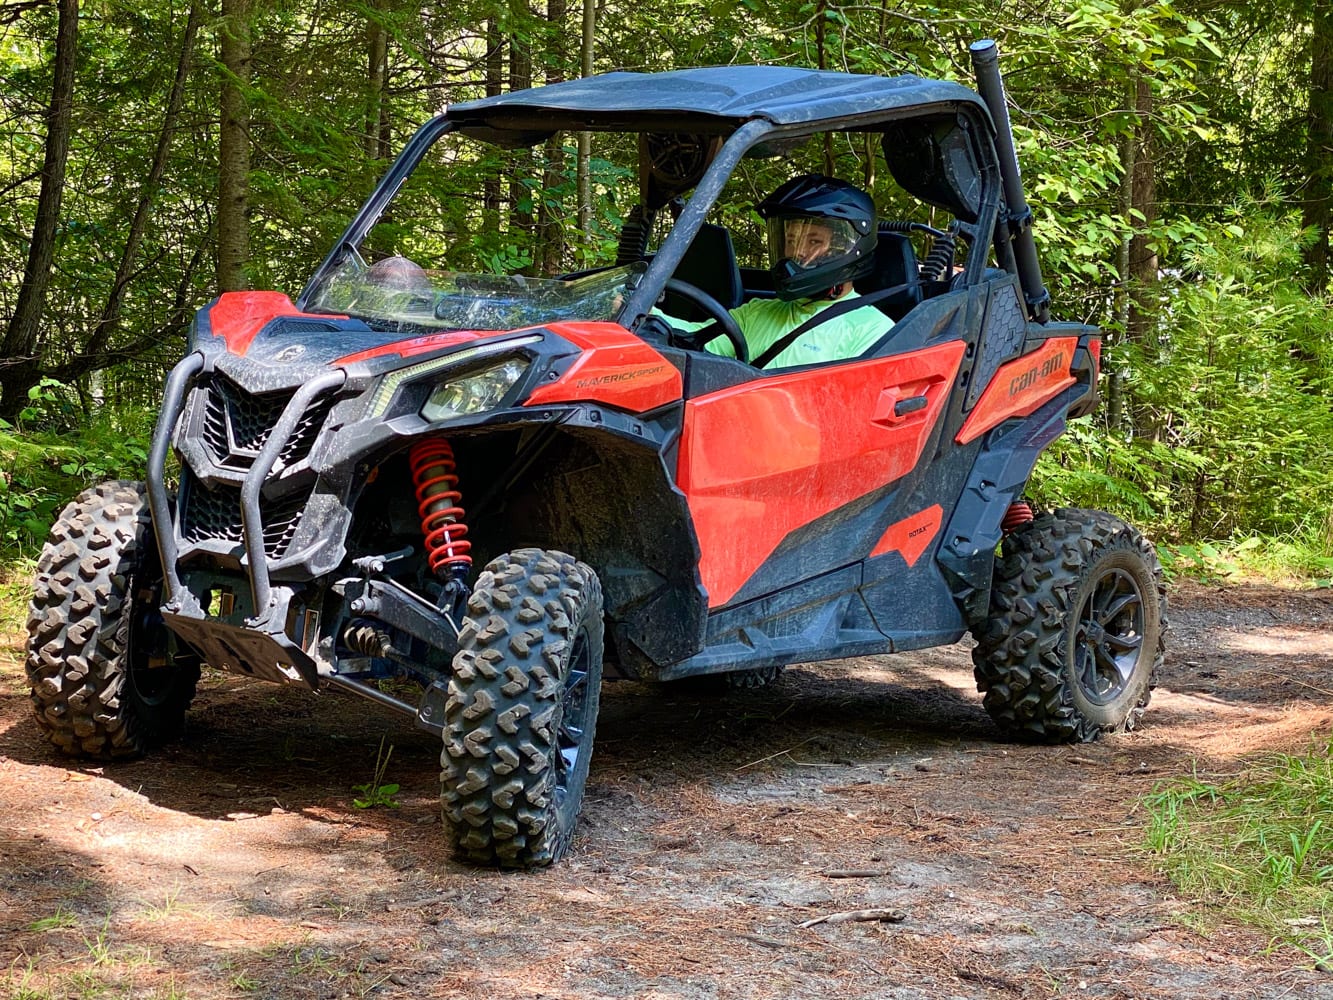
{"x":307,"y":429}
{"x":214,"y":515}
{"x":211,"y":514}
{"x":237,"y":424}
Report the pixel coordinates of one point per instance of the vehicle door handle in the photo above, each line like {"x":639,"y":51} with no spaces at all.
{"x":909,"y":405}
{"x":892,"y":407}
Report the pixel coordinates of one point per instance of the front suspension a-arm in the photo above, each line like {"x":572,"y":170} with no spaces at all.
{"x":393,"y":604}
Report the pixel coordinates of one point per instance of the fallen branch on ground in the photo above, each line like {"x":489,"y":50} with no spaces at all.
{"x":886,"y":916}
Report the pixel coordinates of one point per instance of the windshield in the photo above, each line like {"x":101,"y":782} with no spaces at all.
{"x":396,"y":294}
{"x":468,"y":235}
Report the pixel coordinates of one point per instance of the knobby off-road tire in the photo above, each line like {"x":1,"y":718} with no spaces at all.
{"x":733,"y":680}
{"x":747,"y":680}
{"x":521,"y":711}
{"x":100,"y":666}
{"x":1076,"y":631}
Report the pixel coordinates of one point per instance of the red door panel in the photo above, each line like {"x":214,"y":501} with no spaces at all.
{"x":762,"y":459}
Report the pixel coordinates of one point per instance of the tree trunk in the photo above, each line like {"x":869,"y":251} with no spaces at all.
{"x":1115,"y":388}
{"x":490,"y":196}
{"x":377,"y":85}
{"x":20,"y":351}
{"x":1317,"y":210}
{"x":584,"y":168}
{"x":1143,"y":264}
{"x":821,"y":53}
{"x":170,"y":329}
{"x":92,"y":356}
{"x":521,"y":221}
{"x":551,"y":246}
{"x":234,"y":149}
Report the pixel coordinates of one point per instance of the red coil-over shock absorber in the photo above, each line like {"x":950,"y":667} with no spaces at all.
{"x":436,"y":479}
{"x":1018,"y":514}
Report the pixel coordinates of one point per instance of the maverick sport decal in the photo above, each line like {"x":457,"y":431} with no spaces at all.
{"x":613,"y":377}
{"x":616,"y":369}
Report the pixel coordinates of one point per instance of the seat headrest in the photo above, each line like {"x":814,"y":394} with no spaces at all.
{"x":895,"y":264}
{"x":895,"y":261}
{"x":710,"y":265}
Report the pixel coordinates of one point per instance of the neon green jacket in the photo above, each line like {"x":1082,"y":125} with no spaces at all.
{"x":764,"y":321}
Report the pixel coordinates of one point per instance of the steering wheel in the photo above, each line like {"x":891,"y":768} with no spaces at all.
{"x":725,"y":323}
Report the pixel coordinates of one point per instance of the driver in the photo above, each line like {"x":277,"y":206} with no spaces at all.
{"x":821,"y":236}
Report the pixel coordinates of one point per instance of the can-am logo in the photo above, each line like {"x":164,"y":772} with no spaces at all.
{"x":290,"y":353}
{"x":1030,"y":377}
{"x":612,"y":377}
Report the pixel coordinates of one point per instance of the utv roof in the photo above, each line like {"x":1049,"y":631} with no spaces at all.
{"x":725,"y":97}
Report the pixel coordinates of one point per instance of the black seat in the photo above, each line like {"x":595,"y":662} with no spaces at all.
{"x":709,"y":265}
{"x":895,"y":264}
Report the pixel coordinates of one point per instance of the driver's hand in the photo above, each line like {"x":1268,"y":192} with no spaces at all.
{"x":654,"y":327}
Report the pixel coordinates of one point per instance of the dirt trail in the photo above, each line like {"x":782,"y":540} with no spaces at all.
{"x":235,"y":864}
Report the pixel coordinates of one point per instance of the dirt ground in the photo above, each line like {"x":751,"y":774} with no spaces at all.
{"x":235,"y":864}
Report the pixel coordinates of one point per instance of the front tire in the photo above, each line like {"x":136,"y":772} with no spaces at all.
{"x":101,"y":669}
{"x":521,"y":711}
{"x":1076,"y":631}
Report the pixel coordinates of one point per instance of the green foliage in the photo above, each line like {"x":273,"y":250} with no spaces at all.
{"x":1234,"y":434}
{"x":1205,"y":561}
{"x":62,"y":919}
{"x":1297,"y":559}
{"x":375,"y":792}
{"x":1224,"y":434}
{"x":15,"y":589}
{"x":1255,"y":847}
{"x":50,"y":467}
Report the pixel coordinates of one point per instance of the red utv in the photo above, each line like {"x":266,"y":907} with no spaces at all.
{"x":636,"y":503}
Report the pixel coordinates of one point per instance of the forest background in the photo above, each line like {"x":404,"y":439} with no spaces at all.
{"x":1178,"y":158}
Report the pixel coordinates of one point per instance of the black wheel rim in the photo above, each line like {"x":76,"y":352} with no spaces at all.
{"x":1108,"y":637}
{"x":576,"y":707}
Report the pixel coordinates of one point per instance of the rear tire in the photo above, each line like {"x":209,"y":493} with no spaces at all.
{"x":1077,"y":628}
{"x":103,"y":675}
{"x":521,"y":711}
{"x":732,"y":680}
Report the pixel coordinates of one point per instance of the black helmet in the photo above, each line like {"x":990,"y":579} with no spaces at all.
{"x":821,"y":233}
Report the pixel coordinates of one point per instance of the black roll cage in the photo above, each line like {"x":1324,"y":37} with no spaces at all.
{"x":740,"y":140}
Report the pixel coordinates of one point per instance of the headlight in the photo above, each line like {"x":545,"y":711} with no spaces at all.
{"x":391,"y":383}
{"x":474,"y":393}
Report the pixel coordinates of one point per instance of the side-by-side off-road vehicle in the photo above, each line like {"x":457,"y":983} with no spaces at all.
{"x":327,"y":475}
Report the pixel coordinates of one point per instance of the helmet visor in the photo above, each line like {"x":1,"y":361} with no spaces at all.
{"x":808,"y":241}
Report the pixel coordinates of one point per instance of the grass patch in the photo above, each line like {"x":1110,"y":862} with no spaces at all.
{"x":1299,"y":561}
{"x":62,"y":919}
{"x":376,"y":792}
{"x":104,"y":972}
{"x":1257,"y":848}
{"x":15,"y":588}
{"x":171,"y":906}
